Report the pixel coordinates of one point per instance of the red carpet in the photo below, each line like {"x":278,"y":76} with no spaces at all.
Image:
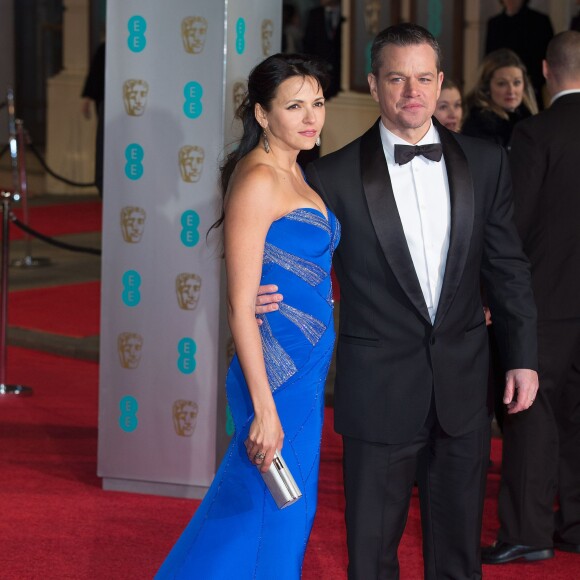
{"x":71,"y":310}
{"x":60,"y":219}
{"x":57,"y":523}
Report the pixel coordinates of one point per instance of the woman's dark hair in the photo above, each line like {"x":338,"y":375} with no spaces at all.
{"x":263,"y":84}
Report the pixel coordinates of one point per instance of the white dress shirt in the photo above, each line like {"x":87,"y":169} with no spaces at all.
{"x":421,"y":191}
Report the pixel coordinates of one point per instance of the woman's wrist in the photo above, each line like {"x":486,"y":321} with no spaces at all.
{"x":265,"y":409}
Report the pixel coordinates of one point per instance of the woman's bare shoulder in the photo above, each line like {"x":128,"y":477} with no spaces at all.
{"x":254,"y":184}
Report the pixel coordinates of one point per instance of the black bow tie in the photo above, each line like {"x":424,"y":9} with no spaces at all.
{"x":404,"y":153}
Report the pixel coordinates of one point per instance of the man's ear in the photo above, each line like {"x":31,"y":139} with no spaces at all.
{"x":372,"y":80}
{"x":545,"y":68}
{"x":440,"y":77}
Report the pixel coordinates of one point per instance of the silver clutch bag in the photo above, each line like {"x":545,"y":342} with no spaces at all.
{"x":280,"y":482}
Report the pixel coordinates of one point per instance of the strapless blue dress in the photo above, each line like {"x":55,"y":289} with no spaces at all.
{"x":238,"y":533}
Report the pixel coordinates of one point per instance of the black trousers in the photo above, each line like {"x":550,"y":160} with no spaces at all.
{"x":541,"y":447}
{"x":378,"y":478}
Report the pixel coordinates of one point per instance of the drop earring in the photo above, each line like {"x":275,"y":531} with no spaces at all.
{"x":318,"y":141}
{"x":266,"y":144}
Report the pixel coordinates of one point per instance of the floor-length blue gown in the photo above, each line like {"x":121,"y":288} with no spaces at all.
{"x":238,"y":533}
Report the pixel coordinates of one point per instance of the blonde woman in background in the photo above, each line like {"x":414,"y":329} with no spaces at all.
{"x":502,"y":96}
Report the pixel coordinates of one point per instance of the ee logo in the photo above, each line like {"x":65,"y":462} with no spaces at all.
{"x":137,"y":26}
{"x":131,"y":282}
{"x":240,"y":32}
{"x":128,"y":419}
{"x":134,"y":156}
{"x":189,"y":233}
{"x":186,"y":362}
{"x":192,"y":107}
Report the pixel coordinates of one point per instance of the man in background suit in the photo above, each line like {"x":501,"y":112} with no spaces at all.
{"x":411,"y":396}
{"x":322,"y":38}
{"x":542,"y":446}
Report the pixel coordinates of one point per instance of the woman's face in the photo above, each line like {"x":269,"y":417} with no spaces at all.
{"x":296,"y":115}
{"x":507,"y":88}
{"x":449,"y":110}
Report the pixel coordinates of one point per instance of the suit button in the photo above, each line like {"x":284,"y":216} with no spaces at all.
{"x":432,"y":341}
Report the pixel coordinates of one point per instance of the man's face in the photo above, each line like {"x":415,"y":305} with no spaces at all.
{"x":513,"y":6}
{"x":406,"y":88}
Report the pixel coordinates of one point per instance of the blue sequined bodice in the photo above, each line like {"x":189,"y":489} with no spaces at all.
{"x":297,"y":258}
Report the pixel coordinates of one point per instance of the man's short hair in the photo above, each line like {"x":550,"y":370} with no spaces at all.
{"x":563,"y":55}
{"x":405,"y":34}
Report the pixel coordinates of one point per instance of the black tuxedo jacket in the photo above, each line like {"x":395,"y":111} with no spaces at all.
{"x":390,"y":358}
{"x":545,"y":161}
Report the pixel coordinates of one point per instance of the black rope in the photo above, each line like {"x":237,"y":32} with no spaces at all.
{"x":55,"y":175}
{"x":52,"y":241}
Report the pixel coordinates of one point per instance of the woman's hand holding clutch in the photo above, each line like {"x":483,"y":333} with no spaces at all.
{"x":265,"y":437}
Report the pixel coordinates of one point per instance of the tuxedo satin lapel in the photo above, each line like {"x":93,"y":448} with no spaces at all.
{"x":462,"y":211}
{"x":385,"y":217}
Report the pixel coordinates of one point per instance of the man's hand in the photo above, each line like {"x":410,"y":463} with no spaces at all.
{"x":521,"y":388}
{"x":267,"y":299}
{"x":487,"y":313}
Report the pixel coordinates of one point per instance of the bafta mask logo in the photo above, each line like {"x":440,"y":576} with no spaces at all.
{"x":239,"y":90}
{"x":135,"y":93}
{"x":184,"y":417}
{"x":372,"y":16}
{"x":188,"y":287}
{"x":230,"y":350}
{"x":129,"y":345}
{"x":193,"y":33}
{"x":267,"y":33}
{"x":191,"y":162}
{"x":132,"y":223}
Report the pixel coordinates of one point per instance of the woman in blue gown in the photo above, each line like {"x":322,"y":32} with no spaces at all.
{"x":276,"y":231}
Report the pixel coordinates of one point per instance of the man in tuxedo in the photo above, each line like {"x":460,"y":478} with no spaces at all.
{"x":411,"y":395}
{"x":541,"y":446}
{"x":418,"y":234}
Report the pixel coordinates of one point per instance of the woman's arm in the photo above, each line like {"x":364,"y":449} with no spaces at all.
{"x":252,"y":206}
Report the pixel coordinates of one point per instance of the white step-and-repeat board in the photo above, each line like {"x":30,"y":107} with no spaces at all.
{"x":175,"y":72}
